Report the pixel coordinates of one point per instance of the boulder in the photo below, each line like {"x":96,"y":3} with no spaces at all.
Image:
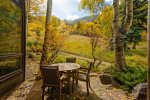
{"x":105,"y":79}
{"x":139,"y":92}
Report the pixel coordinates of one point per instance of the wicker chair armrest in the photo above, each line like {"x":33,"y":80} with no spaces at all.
{"x":84,"y":68}
{"x":62,"y":77}
{"x":80,"y":72}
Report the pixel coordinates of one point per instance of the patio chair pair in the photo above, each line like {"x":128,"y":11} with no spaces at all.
{"x":52,"y":80}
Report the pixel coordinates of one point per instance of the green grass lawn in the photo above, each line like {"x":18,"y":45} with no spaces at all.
{"x":138,"y":56}
{"x":80,"y":45}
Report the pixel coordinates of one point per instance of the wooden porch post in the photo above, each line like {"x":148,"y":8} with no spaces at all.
{"x":148,"y":51}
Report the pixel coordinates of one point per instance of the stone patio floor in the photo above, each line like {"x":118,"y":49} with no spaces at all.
{"x":31,"y":89}
{"x":101,"y":92}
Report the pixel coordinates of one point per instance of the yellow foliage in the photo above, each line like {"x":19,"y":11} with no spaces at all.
{"x":57,"y":36}
{"x":144,"y":35}
{"x":105,"y":21}
{"x":92,"y":29}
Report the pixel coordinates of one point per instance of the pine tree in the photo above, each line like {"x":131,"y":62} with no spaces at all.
{"x":139,"y":22}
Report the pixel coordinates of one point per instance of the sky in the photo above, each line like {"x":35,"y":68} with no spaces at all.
{"x":67,"y":9}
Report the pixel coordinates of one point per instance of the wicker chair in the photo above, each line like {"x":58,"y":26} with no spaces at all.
{"x":70,"y":60}
{"x":51,"y":79}
{"x":83,"y":74}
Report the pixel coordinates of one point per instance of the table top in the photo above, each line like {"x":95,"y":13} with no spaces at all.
{"x":67,"y":66}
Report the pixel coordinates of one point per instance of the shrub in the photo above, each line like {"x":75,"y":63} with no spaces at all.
{"x":107,"y":56}
{"x":130,"y":77}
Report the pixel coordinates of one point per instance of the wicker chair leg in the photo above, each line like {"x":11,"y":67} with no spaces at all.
{"x":72,"y":85}
{"x":43,"y":88}
{"x":60,"y":94}
{"x":76,"y":81}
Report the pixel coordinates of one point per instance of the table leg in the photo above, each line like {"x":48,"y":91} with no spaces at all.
{"x":68,"y":82}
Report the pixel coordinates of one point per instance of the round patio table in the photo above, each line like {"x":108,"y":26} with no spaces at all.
{"x":67,"y":67}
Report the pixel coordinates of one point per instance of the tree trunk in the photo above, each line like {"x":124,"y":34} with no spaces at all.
{"x":119,"y":32}
{"x":116,"y":25}
{"x":129,"y":16}
{"x":148,"y":46}
{"x":111,"y":43}
{"x":48,"y":14}
{"x":44,"y":57}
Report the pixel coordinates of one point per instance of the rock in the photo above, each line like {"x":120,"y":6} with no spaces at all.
{"x":105,"y":79}
{"x":140,"y":91}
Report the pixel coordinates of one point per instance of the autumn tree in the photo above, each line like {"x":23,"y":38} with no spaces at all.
{"x":120,"y":30}
{"x":93,"y":31}
{"x":73,"y":29}
{"x":63,"y":27}
{"x":44,"y":57}
{"x":104,"y":20}
{"x":93,"y":6}
{"x":54,"y":38}
{"x":148,"y":46}
{"x":33,"y":6}
{"x":35,"y":34}
{"x":35,"y":26}
{"x":32,"y":9}
{"x":58,"y":34}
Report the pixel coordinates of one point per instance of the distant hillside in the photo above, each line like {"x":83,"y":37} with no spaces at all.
{"x":85,"y":19}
